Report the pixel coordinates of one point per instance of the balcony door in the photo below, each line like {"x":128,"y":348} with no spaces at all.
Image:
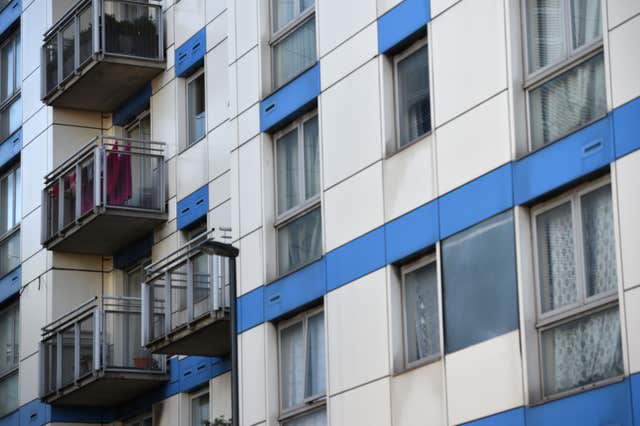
{"x":134,"y":355}
{"x":145,"y":172}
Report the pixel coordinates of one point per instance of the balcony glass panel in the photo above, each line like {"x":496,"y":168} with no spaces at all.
{"x":10,"y":119}
{"x":201,"y":287}
{"x":68,"y":337}
{"x":86,"y":328}
{"x":68,"y":49}
{"x":178,"y":277}
{"x":86,"y":32}
{"x":87,"y":185}
{"x":131,"y":29}
{"x":69,"y":198}
{"x":51,"y":64}
{"x":49,"y":353}
{"x":156,"y":301}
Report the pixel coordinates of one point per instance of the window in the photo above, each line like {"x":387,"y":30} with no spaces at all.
{"x":293,"y":38}
{"x":10,"y":213}
{"x":302,"y":370}
{"x":200,"y":409}
{"x":196,"y":108}
{"x":413,"y":110}
{"x":566,"y":83}
{"x":298,"y":220}
{"x":9,"y":342}
{"x":10,"y":79}
{"x":577,"y":290}
{"x":140,"y":128}
{"x":421,"y":312}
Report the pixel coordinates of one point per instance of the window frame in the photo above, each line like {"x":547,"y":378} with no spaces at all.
{"x":277,"y":36}
{"x":6,"y":104}
{"x":585,"y":305}
{"x":196,"y":395}
{"x":397,"y":58}
{"x":404,"y":270}
{"x":313,"y":402}
{"x":14,"y":369}
{"x":15,"y":230}
{"x":572,"y":59}
{"x":137,"y":122}
{"x":190,"y":79}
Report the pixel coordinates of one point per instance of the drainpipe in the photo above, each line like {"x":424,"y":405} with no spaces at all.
{"x":235,"y":393}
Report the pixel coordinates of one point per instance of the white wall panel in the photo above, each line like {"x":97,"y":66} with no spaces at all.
{"x":251,"y":262}
{"x":627,"y":178}
{"x":29,"y":379}
{"x":169,"y":25}
{"x":189,"y":18}
{"x":473,"y":144}
{"x":474,"y":392}
{"x":417,"y":396}
{"x":366,"y":405}
{"x":249,"y":186}
{"x":221,"y":396}
{"x":192,"y":171}
{"x":69,"y":289}
{"x":219,"y":149}
{"x":35,"y":266}
{"x":33,"y":316}
{"x":621,"y":10}
{"x":357,"y":320}
{"x":167,"y":412}
{"x":246,"y":25}
{"x":632,"y":313}
{"x":30,"y":234}
{"x":220,"y":190}
{"x":252,"y":376}
{"x":217,"y":102}
{"x":214,"y":8}
{"x":354,"y":207}
{"x":34,"y":22}
{"x":163,"y":111}
{"x":248,"y":67}
{"x":34,"y":158}
{"x":385,"y":5}
{"x":338,"y":20}
{"x":220,"y":217}
{"x":350,"y":123}
{"x":469,"y":56}
{"x":30,"y":94}
{"x":34,"y":126}
{"x":439,"y":6}
{"x":409,"y":179}
{"x":217,"y":32}
{"x":625,"y":62}
{"x":68,"y":140}
{"x":249,"y":123}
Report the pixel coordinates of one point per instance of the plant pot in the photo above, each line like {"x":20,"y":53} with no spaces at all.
{"x":143,"y":363}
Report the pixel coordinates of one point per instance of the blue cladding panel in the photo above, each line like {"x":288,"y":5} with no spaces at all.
{"x":10,"y":147}
{"x":194,"y":371}
{"x":132,"y":107}
{"x":190,"y":56}
{"x":635,"y":398}
{"x":626,"y":127}
{"x":193,"y":207}
{"x":290,"y":100}
{"x":69,"y":414}
{"x":561,"y":162}
{"x":33,"y":413}
{"x":355,"y":259}
{"x":514,"y":417}
{"x":10,"y":284}
{"x":250,"y":309}
{"x":133,"y":253}
{"x":295,"y":290}
{"x":489,"y":195}
{"x":12,"y":419}
{"x":412,"y":232}
{"x":607,"y":406}
{"x":401,"y":22}
{"x":10,"y":14}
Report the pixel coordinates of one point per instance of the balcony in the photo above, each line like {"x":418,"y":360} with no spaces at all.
{"x":186,"y":302}
{"x":109,"y":194}
{"x":102,"y":52}
{"x":92,"y":356}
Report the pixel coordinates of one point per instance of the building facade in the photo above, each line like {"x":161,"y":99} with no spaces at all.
{"x":329,"y":212}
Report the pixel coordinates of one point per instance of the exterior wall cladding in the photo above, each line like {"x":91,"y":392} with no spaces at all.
{"x":436,"y":206}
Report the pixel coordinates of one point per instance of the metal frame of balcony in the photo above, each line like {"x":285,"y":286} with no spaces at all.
{"x":86,"y":356}
{"x":187,"y":311}
{"x":112,"y":192}
{"x":101,"y":70}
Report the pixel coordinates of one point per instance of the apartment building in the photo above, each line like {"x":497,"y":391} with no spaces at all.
{"x":329,"y":212}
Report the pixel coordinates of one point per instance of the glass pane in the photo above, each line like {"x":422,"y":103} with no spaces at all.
{"x":87,"y":185}
{"x":582,"y":351}
{"x":6,"y":203}
{"x":299,"y":242}
{"x":317,"y":418}
{"x":10,"y":119}
{"x":201,"y":285}
{"x":53,"y":202}
{"x":292,"y":373}
{"x":311,"y":158}
{"x":132,"y":178}
{"x":10,"y":254}
{"x":288,"y":173}
{"x":283,"y":12}
{"x":131,"y":29}
{"x":9,"y":392}
{"x":157,"y":308}
{"x":200,"y":410}
{"x":421,"y":313}
{"x":86,"y":34}
{"x":479,"y":283}
{"x":414,"y":117}
{"x":8,"y":339}
{"x":295,"y":53}
{"x":587,"y":21}
{"x":18,"y":191}
{"x":567,"y":102}
{"x":7,"y":70}
{"x":86,"y":345}
{"x":315,"y":380}
{"x":145,"y":128}
{"x":69,"y":202}
{"x":51,"y":63}
{"x":556,"y":258}
{"x":68,"y":50}
{"x":50,"y":364}
{"x":178,"y":295}
{"x":197,"y":112}
{"x":306,"y":4}
{"x":68,"y":363}
{"x":546,"y":33}
{"x":598,"y":236}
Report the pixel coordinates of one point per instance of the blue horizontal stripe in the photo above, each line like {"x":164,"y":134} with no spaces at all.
{"x":133,"y":107}
{"x":401,"y":22}
{"x":10,"y":148}
{"x":10,"y":284}
{"x":412,"y":232}
{"x":193,"y":207}
{"x":626,"y":127}
{"x":9,"y":15}
{"x":190,"y":55}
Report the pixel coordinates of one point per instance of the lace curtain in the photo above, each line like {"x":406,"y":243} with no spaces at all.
{"x":294,"y":53}
{"x":413,"y":96}
{"x":421,"y":310}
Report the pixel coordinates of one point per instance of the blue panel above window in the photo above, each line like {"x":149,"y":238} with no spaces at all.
{"x":626,"y":127}
{"x":10,"y":284}
{"x":9,"y":15}
{"x":193,"y":207}
{"x":290,"y":101}
{"x":412,"y":232}
{"x":250,"y":309}
{"x":135,"y":252}
{"x":133,"y":107}
{"x":10,"y":148}
{"x":401,"y":22}
{"x":190,"y":56}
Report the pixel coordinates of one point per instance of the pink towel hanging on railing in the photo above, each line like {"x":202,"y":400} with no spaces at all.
{"x":119,"y":185}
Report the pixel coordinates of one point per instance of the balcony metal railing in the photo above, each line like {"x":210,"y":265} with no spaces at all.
{"x":125,"y":32}
{"x":183,"y":295}
{"x":98,"y":339}
{"x":118,"y":176}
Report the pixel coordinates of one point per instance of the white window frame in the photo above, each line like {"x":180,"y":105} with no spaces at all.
{"x":585,"y":305}
{"x":137,"y":122}
{"x":302,"y":17}
{"x":188,"y":81}
{"x":311,"y":403}
{"x":573,"y":59}
{"x":195,"y":395}
{"x":17,"y":84}
{"x":13,"y":370}
{"x":4,"y":238}
{"x":404,"y":270}
{"x":413,"y":48}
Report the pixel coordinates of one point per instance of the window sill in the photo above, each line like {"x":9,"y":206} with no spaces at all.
{"x":407,"y":146}
{"x":192,"y":144}
{"x":283,"y":85}
{"x":419,"y":364}
{"x":293,"y":271}
{"x":579,"y":390}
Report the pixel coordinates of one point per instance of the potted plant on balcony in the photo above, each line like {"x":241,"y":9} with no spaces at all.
{"x":143,"y":362}
{"x":219,"y":421}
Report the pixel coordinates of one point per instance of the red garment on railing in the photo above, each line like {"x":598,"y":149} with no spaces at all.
{"x":119,"y":184}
